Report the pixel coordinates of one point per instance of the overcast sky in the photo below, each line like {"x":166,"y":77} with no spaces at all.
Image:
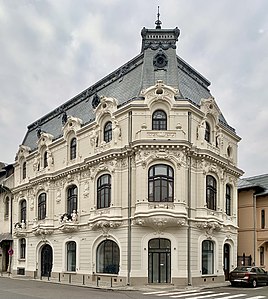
{"x":50,"y":50}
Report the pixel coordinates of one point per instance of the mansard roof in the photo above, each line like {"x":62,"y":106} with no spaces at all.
{"x":157,"y":61}
{"x":259,"y":183}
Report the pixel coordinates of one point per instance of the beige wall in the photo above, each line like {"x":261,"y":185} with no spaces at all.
{"x":120,"y":158}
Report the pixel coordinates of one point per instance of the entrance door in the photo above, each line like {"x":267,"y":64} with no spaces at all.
{"x":46,"y":260}
{"x":159,"y":259}
{"x":226,"y":261}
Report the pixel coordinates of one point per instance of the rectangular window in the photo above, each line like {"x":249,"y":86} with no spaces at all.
{"x":207,"y":257}
{"x":262,"y":218}
{"x":22,"y":248}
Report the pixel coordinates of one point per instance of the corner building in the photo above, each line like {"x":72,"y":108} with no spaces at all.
{"x":132,"y":181}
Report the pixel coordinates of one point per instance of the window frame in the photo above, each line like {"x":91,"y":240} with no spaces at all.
{"x":71,"y":249}
{"x":23,"y":210}
{"x":106,"y":263}
{"x":7,"y":201}
{"x":160,"y":184}
{"x":228,"y":199}
{"x":104,"y":191}
{"x":45,"y":160}
{"x":72,"y":199}
{"x":108,"y":131}
{"x":262,"y":218}
{"x":211,"y":193}
{"x":159,"y":123}
{"x":42,"y":206}
{"x":22,"y":248}
{"x":208,"y":257}
{"x":24,"y":169}
{"x":73,"y":148}
{"x":207,"y":136}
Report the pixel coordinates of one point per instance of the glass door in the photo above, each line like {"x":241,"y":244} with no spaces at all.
{"x":159,"y":259}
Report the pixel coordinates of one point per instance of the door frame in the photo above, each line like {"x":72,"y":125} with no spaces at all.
{"x":158,"y":252}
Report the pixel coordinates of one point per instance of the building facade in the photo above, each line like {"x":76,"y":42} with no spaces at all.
{"x":6,"y":197}
{"x":253,"y":220}
{"x":132,"y":181}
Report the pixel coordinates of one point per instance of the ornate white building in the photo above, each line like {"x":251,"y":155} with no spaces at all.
{"x":133,"y":181}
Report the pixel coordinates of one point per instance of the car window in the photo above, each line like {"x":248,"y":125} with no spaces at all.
{"x":241,"y":269}
{"x":260,"y":270}
{"x":253,"y":270}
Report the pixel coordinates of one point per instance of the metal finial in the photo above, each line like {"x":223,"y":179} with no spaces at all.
{"x":158,"y":22}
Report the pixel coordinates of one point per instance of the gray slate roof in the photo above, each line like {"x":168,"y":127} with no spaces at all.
{"x":259,"y":182}
{"x":127,"y":82}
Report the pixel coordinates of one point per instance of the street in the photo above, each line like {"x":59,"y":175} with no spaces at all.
{"x":31,"y":289}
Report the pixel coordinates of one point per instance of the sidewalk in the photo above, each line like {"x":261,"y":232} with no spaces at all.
{"x":141,"y":288}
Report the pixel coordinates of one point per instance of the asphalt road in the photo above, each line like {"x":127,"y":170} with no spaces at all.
{"x":32,"y":289}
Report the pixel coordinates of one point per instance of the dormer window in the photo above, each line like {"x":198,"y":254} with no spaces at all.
{"x":207,"y":132}
{"x":73,"y":145}
{"x":107,"y":137}
{"x":45,"y":160}
{"x":159,"y":120}
{"x":24,"y":170}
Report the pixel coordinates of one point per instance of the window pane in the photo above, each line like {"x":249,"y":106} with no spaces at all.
{"x":207,"y":257}
{"x":107,"y":132}
{"x":73,"y":149}
{"x":108,"y":257}
{"x":159,"y":120}
{"x":71,"y":256}
{"x":160,"y":183}
{"x":72,"y":199}
{"x":104,"y":191}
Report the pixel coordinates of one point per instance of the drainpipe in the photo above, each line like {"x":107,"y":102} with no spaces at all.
{"x":129,"y":199}
{"x":254,"y":229}
{"x":189,"y":184}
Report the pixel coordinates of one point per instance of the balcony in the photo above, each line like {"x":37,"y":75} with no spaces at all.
{"x":161,"y":135}
{"x":160,"y":215}
{"x":105,"y":219}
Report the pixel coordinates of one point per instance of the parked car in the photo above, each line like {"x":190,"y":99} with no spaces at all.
{"x":248,"y":276}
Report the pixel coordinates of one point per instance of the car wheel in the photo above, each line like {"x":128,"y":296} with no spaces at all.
{"x":254,"y":283}
{"x":233,"y":284}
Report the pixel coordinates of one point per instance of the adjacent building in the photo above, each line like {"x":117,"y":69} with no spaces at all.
{"x":132,"y":181}
{"x":253,"y":221}
{"x":6,"y":185}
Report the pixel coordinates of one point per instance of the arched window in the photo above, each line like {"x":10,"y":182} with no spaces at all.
{"x":159,"y":120}
{"x":72,"y":199}
{"x":23,"y":211}
{"x":24,"y":170}
{"x":22,"y":248}
{"x":207,"y":132}
{"x":108,"y":257}
{"x":71,"y":256}
{"x":107,"y":137}
{"x":42,"y":202}
{"x":211,"y":192}
{"x":45,"y":160}
{"x":7,"y":207}
{"x":161,"y":183}
{"x":207,"y":257}
{"x":73,"y":149}
{"x":104,"y":191}
{"x":228,"y":200}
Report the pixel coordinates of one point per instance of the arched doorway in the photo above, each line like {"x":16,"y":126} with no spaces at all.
{"x":159,"y":261}
{"x":226,"y":260}
{"x":46,"y":260}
